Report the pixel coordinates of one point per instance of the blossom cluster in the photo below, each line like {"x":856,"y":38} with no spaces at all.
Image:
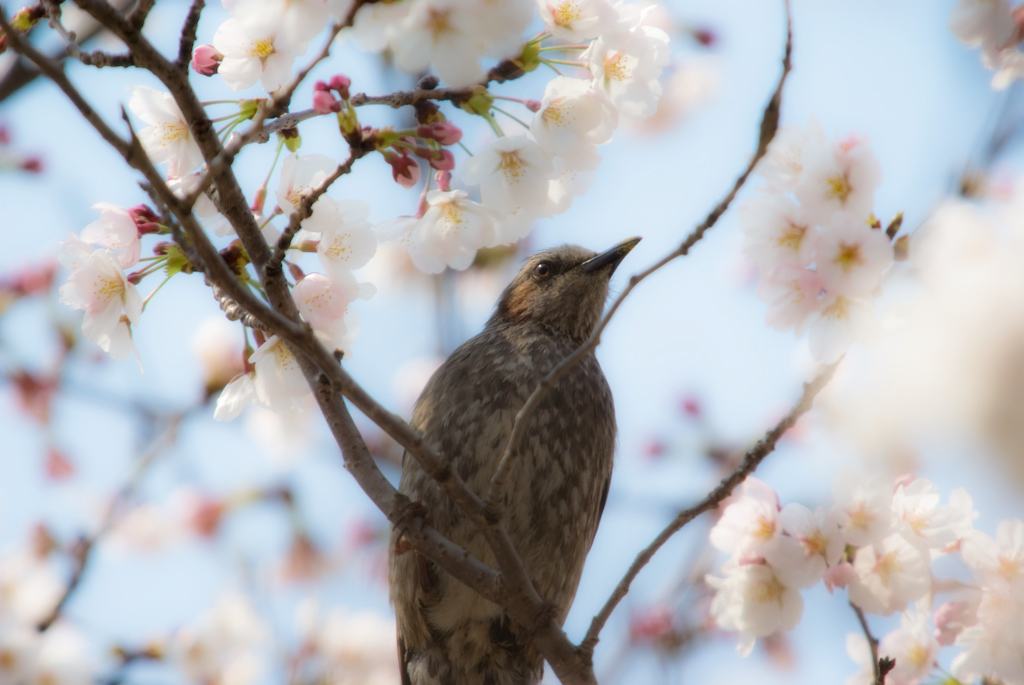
{"x":878,"y":540}
{"x":998,"y":30}
{"x":520,"y":177}
{"x":821,"y":254}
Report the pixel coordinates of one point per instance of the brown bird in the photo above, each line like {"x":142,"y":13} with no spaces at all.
{"x":557,"y":482}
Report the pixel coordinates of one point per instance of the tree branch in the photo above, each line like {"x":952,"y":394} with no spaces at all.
{"x":188,"y":34}
{"x":769,"y":126}
{"x":751,"y":460}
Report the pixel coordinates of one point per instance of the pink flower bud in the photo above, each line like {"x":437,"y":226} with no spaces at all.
{"x":705,"y":37}
{"x":5,"y":135}
{"x":905,"y":480}
{"x":444,"y":132}
{"x":443,"y":179}
{"x":690,"y":406}
{"x":839,"y":575}
{"x":206,"y":60}
{"x":324,"y":102}
{"x":58,"y":466}
{"x":145,"y":219}
{"x":404,"y":170}
{"x":341,"y":83}
{"x":442,"y":160}
{"x":950,"y":619}
{"x":651,"y":625}
{"x":532,"y":105}
{"x":33,"y":165}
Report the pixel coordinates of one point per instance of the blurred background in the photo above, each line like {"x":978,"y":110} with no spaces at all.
{"x":245,"y":550}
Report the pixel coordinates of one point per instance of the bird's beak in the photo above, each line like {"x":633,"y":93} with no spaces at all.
{"x":611,"y":257}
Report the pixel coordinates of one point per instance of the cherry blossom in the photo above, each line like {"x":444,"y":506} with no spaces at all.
{"x":998,"y":562}
{"x":982,"y":22}
{"x":235,"y":396}
{"x":115,"y":230}
{"x":753,"y":601}
{"x":454,"y":35}
{"x":277,"y":379}
{"x":858,"y":649}
{"x":256,"y":48}
{"x":783,"y":163}
{"x":449,"y":233}
{"x":206,"y":60}
{"x":223,"y":645}
{"x":840,"y":177}
{"x":572,"y":116}
{"x":349,"y":241}
{"x":864,"y":507}
{"x":324,"y":303}
{"x":793,"y":294}
{"x":19,"y":648}
{"x":100,"y":287}
{"x":626,"y":65}
{"x":168,"y":137}
{"x":951,"y":618}
{"x":913,"y":647}
{"x":749,"y":525}
{"x":917,"y":508}
{"x":514,"y":174}
{"x":851,"y":257}
{"x":990,"y":651}
{"x":890,"y":574}
{"x":571,"y":177}
{"x":812,"y":542}
{"x":775,"y":233}
{"x":839,"y":322}
{"x":577,"y":20}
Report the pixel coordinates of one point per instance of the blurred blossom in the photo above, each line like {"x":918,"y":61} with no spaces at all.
{"x":224,"y":646}
{"x":951,"y":361}
{"x":217,"y":343}
{"x":913,"y":647}
{"x":351,"y":648}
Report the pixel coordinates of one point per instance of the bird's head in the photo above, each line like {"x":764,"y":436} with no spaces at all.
{"x":563,"y":288}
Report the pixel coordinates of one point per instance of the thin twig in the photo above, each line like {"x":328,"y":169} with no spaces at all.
{"x":880,"y":668}
{"x":768,"y":128}
{"x":751,"y":460}
{"x":305,"y":207}
{"x":86,"y":544}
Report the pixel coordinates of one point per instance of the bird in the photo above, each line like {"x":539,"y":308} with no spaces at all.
{"x":557,"y":482}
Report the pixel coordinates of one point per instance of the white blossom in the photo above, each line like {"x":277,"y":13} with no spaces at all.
{"x":324,"y":303}
{"x":168,"y":137}
{"x":841,"y":177}
{"x":889,"y":575}
{"x":998,"y":562}
{"x":749,"y":525}
{"x":851,"y":257}
{"x":514,"y":174}
{"x":913,"y":647}
{"x":223,"y":646}
{"x":577,"y":20}
{"x":775,"y":233}
{"x":19,"y":648}
{"x":235,"y":396}
{"x":988,"y":651}
{"x":783,"y":163}
{"x":838,"y":322}
{"x":864,"y":507}
{"x":100,"y":287}
{"x":626,"y":65}
{"x":116,"y":231}
{"x":278,"y":380}
{"x":980,"y":23}
{"x":63,"y":658}
{"x":256,"y":48}
{"x":754,"y":602}
{"x":793,"y":294}
{"x":917,"y":508}
{"x":573,"y":116}
{"x":450,"y":232}
{"x":811,"y":543}
{"x":347,"y":240}
{"x":571,"y":177}
{"x":454,"y":35}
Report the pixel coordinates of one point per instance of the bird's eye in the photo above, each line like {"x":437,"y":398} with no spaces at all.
{"x":543,"y":270}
